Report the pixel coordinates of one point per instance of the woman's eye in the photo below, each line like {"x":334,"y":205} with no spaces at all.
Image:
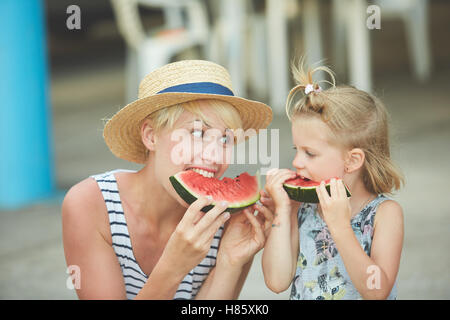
{"x":225,"y":139}
{"x":309,"y":154}
{"x":197,"y":133}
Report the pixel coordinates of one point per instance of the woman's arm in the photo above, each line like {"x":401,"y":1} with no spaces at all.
{"x":224,"y":283}
{"x":243,"y":238}
{"x":87,"y":245}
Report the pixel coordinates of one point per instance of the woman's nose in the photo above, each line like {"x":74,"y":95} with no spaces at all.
{"x":208,"y":151}
{"x":213,"y":152}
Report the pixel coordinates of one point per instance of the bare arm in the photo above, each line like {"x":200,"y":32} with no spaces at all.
{"x":87,"y":244}
{"x":224,"y":283}
{"x":374,"y":276}
{"x":281,"y":250}
{"x":280,"y":254}
{"x":243,"y":238}
{"x":86,"y":247}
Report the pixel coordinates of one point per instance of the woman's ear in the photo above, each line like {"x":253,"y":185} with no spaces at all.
{"x":148,"y":135}
{"x":355,"y":160}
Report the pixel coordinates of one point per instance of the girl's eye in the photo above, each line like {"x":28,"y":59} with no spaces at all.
{"x":197,"y":133}
{"x":309,"y":154}
{"x":294,"y":147}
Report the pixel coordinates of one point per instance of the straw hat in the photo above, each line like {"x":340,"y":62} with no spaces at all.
{"x":169,"y":85}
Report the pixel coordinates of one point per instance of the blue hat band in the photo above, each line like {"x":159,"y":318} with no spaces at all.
{"x":200,"y":87}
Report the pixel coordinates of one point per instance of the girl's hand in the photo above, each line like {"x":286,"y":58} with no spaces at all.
{"x":267,"y":209}
{"x":274,"y":186}
{"x":242,"y":239}
{"x":266,"y":200}
{"x":336,"y":208}
{"x":191,"y":240}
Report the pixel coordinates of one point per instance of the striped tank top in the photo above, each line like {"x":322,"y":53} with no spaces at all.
{"x":133,"y":275}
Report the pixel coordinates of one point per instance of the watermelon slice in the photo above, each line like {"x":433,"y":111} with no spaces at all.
{"x":240,"y":192}
{"x":304,"y":190}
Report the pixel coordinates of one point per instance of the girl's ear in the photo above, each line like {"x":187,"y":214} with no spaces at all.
{"x":148,"y":135}
{"x":355,"y":160}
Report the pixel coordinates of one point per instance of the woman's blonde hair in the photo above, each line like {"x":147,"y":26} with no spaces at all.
{"x":356,"y":118}
{"x":166,"y":117}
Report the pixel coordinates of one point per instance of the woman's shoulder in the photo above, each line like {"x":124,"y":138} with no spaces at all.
{"x":83,"y":206}
{"x":85,"y":193}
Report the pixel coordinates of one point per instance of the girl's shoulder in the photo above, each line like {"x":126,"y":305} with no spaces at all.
{"x":388,"y":211}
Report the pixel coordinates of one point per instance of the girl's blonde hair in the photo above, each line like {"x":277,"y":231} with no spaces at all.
{"x":166,"y":117}
{"x":356,"y":118}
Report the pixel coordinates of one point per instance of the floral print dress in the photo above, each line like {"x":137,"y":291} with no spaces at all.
{"x":320,"y":273}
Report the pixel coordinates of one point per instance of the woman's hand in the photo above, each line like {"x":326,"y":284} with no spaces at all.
{"x":191,"y":240}
{"x":242,"y":239}
{"x":336,"y":208}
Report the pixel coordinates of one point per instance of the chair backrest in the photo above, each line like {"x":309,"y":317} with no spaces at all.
{"x":130,"y":25}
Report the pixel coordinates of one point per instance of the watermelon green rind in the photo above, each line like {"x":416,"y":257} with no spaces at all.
{"x":306,"y":194}
{"x":190,"y":196}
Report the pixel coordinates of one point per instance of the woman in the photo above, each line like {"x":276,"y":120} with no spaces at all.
{"x":145,"y":242}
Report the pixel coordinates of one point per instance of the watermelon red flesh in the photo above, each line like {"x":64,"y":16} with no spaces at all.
{"x":305,"y":190}
{"x":239,"y":192}
{"x":299,"y":182}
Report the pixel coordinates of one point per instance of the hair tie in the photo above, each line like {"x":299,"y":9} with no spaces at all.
{"x":310,"y":88}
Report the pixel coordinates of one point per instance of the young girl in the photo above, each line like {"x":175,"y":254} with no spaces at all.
{"x":341,"y":248}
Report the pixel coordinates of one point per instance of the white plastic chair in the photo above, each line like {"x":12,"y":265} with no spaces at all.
{"x":145,"y":51}
{"x":414,"y":14}
{"x":277,"y":44}
{"x":349,"y":19}
{"x":228,"y":40}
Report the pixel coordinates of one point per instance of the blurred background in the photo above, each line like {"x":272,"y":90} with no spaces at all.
{"x":69,"y":64}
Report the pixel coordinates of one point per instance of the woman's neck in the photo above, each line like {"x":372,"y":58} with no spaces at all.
{"x":151,"y":201}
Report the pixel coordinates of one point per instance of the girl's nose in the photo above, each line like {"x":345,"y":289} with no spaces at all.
{"x":297,"y":162}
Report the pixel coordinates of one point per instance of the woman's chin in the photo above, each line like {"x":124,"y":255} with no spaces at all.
{"x":180,"y":200}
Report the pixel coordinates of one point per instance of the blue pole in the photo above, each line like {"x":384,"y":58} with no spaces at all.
{"x":26,"y":151}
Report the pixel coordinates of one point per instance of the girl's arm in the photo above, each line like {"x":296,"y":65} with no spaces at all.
{"x":372,"y":276}
{"x":281,"y":250}
{"x":280,"y":254}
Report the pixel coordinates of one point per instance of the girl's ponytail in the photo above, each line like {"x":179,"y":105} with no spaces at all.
{"x":312,"y":99}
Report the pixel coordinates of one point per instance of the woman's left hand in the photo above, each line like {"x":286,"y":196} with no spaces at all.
{"x":243,"y":238}
{"x":336,"y":208}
